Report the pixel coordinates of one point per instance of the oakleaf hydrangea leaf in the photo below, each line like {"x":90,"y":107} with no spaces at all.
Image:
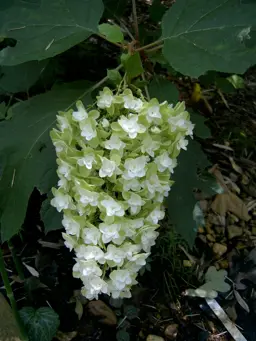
{"x":46,"y":28}
{"x":204,"y":35}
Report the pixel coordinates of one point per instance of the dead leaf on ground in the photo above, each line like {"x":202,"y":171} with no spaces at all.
{"x":9,"y":330}
{"x":241,"y":301}
{"x":100,"y":309}
{"x":65,"y":336}
{"x":229,"y":202}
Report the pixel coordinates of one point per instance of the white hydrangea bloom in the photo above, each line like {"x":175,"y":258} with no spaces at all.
{"x":156,"y":215}
{"x":87,"y":161}
{"x":153,"y":113}
{"x":81,"y":114}
{"x":114,"y":167}
{"x":148,"y":239}
{"x":64,"y":169}
{"x":89,"y":252}
{"x":132,"y":184}
{"x":120,"y":278}
{"x":93,"y":286}
{"x":110,"y":233}
{"x":108,"y":168}
{"x":71,"y":225}
{"x":182,"y":144}
{"x":112,"y":207}
{"x":63,"y":123}
{"x":114,"y":143}
{"x":135,"y":168}
{"x":105,"y":123}
{"x":105,"y":99}
{"x":87,"y":197}
{"x":164,"y":162}
{"x":84,"y":268}
{"x":131,"y":126}
{"x":87,"y":130}
{"x":62,"y":201}
{"x":135,"y":203}
{"x":91,"y":235}
{"x":132,"y":104}
{"x":114,"y":255}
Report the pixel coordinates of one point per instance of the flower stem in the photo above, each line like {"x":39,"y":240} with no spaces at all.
{"x":16,"y":260}
{"x":157,"y":42}
{"x":135,"y":18}
{"x":8,"y":288}
{"x":94,"y":87}
{"x":159,"y":47}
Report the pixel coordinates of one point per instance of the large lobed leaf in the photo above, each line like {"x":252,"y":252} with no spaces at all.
{"x":203,"y":35}
{"x":27,"y":157}
{"x":46,"y":28}
{"x":181,"y":200}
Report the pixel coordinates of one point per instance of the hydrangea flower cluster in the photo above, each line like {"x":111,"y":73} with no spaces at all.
{"x":114,"y":166}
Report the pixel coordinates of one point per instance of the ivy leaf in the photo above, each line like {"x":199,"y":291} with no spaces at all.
{"x":27,"y":156}
{"x":41,"y":324}
{"x":112,"y":33}
{"x":181,"y":201}
{"x":132,"y":64}
{"x":217,"y":35}
{"x":19,"y":78}
{"x":163,"y":90}
{"x":46,"y":28}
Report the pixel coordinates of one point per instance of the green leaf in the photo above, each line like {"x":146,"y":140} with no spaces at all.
{"x":210,"y":35}
{"x":27,"y":156}
{"x":112,"y":33}
{"x":132,"y":65}
{"x":114,"y":76}
{"x":181,"y":200}
{"x":200,"y":130}
{"x":163,"y":90}
{"x":50,"y":216}
{"x":157,"y":10}
{"x":122,"y":335}
{"x":3,"y":110}
{"x":114,"y":8}
{"x":236,"y":81}
{"x":46,"y":28}
{"x":131,"y":312}
{"x":41,"y":324}
{"x":224,"y":85}
{"x":19,"y":78}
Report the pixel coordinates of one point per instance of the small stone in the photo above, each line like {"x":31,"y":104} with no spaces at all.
{"x":100,"y":309}
{"x":203,"y":204}
{"x":171,"y":331}
{"x":200,"y":229}
{"x":210,"y":238}
{"x":209,"y":229}
{"x":220,"y":230}
{"x":223,"y":264}
{"x":154,"y":338}
{"x":234,"y":231}
{"x":219,"y":249}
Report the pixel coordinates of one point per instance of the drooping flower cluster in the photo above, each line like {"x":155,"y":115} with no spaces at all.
{"x":114,"y":166}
